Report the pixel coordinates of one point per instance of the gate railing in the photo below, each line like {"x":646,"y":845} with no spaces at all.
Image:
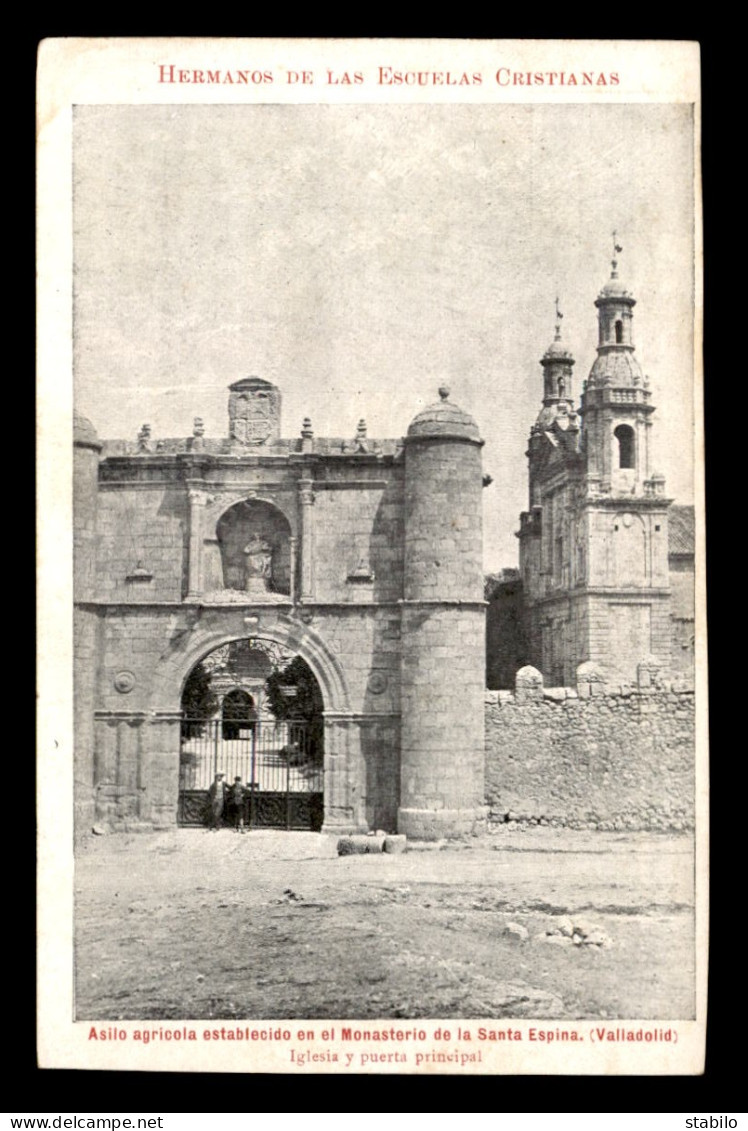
{"x":270,"y":757}
{"x":280,"y":764}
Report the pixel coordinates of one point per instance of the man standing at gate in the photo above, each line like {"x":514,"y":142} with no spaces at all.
{"x":217,"y":801}
{"x":236,"y":805}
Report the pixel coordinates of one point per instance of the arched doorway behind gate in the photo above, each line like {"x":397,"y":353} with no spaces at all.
{"x":252,"y":713}
{"x":237,"y":714}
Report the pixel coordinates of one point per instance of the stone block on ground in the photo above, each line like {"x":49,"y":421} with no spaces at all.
{"x":553,"y":939}
{"x":565,"y":926}
{"x":598,"y":938}
{"x":360,"y":845}
{"x":516,"y":931}
{"x":585,"y":927}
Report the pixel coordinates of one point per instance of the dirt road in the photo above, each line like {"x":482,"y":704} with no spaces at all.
{"x":534,"y":923}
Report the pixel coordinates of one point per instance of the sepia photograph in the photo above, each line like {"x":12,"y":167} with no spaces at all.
{"x":385,"y":503}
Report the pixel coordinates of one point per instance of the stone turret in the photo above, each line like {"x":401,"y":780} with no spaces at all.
{"x":86,"y":452}
{"x":443,"y":627}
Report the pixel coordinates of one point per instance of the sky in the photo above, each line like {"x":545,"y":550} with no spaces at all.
{"x":360,"y":256}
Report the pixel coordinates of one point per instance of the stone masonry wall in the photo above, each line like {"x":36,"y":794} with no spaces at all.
{"x":148,"y":526}
{"x":359,"y":529}
{"x":598,"y":756}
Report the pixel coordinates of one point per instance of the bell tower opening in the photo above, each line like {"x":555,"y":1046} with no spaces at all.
{"x":624,"y":434}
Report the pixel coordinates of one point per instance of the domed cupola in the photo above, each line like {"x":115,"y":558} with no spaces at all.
{"x":616,"y":403}
{"x":615,"y":363}
{"x":444,"y":419}
{"x":84,"y":433}
{"x":557,"y":362}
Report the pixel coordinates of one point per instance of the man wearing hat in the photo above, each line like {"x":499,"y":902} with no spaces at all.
{"x":217,"y":801}
{"x":236,"y":805}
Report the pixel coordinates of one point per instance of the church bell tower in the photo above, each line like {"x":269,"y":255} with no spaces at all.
{"x":616,"y":405}
{"x":594,"y":543}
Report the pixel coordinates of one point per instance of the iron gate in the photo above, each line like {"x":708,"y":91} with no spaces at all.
{"x":280,"y":766}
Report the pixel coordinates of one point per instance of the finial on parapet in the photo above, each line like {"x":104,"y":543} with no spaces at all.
{"x":144,"y":438}
{"x":195,"y":443}
{"x":444,"y":391}
{"x":307,"y":435}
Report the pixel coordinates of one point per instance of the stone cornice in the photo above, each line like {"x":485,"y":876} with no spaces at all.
{"x":451,"y":437}
{"x":200,"y":462}
{"x":448,"y":603}
{"x":348,"y":484}
{"x":629,"y":596}
{"x":104,"y":714}
{"x":626,"y":502}
{"x":359,"y":716}
{"x":285,"y":607}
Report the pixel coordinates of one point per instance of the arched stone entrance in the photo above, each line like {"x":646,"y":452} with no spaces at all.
{"x":267,"y":766}
{"x":215,"y":628}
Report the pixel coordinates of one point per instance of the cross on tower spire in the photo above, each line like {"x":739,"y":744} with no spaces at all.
{"x":617,"y":249}
{"x":559,"y":316}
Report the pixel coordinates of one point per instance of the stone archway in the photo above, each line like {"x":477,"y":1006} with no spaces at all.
{"x":220,"y":626}
{"x":215,"y":628}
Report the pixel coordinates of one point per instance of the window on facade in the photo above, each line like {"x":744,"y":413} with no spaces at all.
{"x":619,"y":332}
{"x":624,"y":434}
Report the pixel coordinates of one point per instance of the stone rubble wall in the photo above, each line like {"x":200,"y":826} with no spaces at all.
{"x":600,"y":756}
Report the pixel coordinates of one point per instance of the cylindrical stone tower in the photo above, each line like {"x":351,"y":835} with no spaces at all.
{"x":86,"y":452}
{"x":443,"y":627}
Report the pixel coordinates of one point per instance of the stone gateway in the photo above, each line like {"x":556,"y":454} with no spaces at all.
{"x":361,"y":557}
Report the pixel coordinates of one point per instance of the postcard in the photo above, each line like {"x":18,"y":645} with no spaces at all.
{"x":371,"y":557}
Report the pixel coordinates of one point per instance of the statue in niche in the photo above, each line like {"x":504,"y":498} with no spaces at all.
{"x":258,"y":560}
